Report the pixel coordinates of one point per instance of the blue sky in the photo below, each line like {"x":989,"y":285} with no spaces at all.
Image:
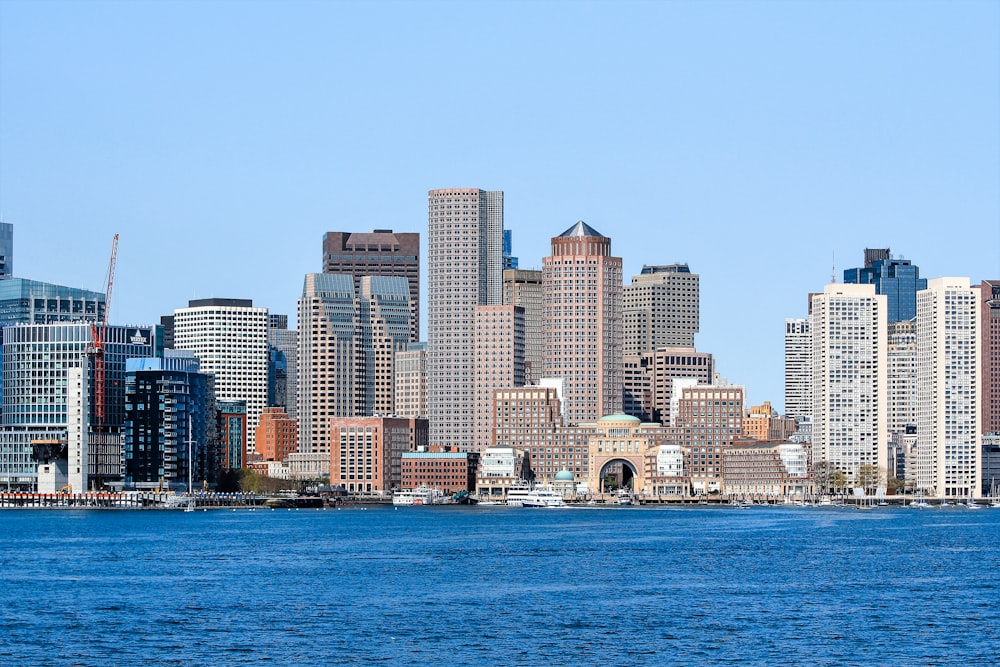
{"x":755,"y":141}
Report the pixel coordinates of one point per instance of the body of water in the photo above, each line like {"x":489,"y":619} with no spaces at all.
{"x":500,"y":586}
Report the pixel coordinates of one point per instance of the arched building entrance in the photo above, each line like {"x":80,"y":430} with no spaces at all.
{"x":617,"y":454}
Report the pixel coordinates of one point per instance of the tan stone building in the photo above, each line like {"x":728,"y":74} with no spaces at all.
{"x":618,"y":448}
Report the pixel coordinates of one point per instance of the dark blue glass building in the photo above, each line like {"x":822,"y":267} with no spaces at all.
{"x":898,"y":279}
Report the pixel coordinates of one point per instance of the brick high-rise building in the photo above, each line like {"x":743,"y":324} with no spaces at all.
{"x":366,"y":452}
{"x":499,"y":362}
{"x":464,"y":270}
{"x":990,"y":351}
{"x":382,"y":252}
{"x":582,"y":292}
{"x":277,"y":435}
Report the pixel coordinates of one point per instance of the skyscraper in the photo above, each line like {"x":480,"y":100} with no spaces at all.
{"x":6,"y":250}
{"x":798,"y":368}
{"x":170,"y":411}
{"x":582,"y":296}
{"x":347,"y":346}
{"x":464,"y":270}
{"x":229,"y":337}
{"x":382,"y":252}
{"x":523,"y":287}
{"x":499,"y":362}
{"x":849,"y":367}
{"x":898,"y":279}
{"x":948,"y":394}
{"x":990,"y":354}
{"x":660,"y":309}
{"x":37,"y":402}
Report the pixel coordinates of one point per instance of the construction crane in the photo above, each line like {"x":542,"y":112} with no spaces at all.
{"x":99,"y":334}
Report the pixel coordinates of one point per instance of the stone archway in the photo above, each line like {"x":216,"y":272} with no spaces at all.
{"x":622,"y":474}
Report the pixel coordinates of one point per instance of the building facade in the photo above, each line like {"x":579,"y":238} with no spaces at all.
{"x":798,"y":368}
{"x":37,"y":393}
{"x":6,"y":250}
{"x":283,"y":366}
{"x":464,"y":270}
{"x":410,"y":375}
{"x":169,"y":425}
{"x":382,"y":252}
{"x":660,"y":309}
{"x":530,"y":420}
{"x":229,"y":337}
{"x":524,"y":288}
{"x":277,"y":435}
{"x":582,"y":297}
{"x":948,"y":389}
{"x":450,"y":472}
{"x":849,"y":371}
{"x":896,"y":278}
{"x":233,"y":450}
{"x":989,"y":332}
{"x":366,"y":452}
{"x":499,"y":362}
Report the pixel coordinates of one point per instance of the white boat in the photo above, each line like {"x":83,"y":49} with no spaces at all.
{"x":540,"y":496}
{"x":625,"y":497}
{"x":422,"y":495}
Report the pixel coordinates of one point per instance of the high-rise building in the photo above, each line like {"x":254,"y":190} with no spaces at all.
{"x":499,"y":362}
{"x":464,"y":270}
{"x":326,"y":359}
{"x":382,"y":252}
{"x":798,"y":368}
{"x":347,"y":346}
{"x":229,"y":337}
{"x":709,"y":418}
{"x":523,"y":287}
{"x":989,"y":328}
{"x":649,"y":380}
{"x":6,"y":250}
{"x":582,"y":296}
{"x":948,"y":389}
{"x":33,"y":302}
{"x":509,"y":261}
{"x":232,"y":451}
{"x":283,"y":366}
{"x":898,"y":279}
{"x":660,"y":309}
{"x":411,"y":381}
{"x":901,"y":374}
{"x":37,"y":391}
{"x":170,"y":423}
{"x":849,"y":369}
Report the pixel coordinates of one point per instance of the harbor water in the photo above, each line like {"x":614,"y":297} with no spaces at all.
{"x":500,"y":586}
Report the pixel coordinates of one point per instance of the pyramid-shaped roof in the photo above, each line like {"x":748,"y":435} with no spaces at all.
{"x":581,"y":228}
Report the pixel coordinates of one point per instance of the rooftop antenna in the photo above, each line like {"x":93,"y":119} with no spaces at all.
{"x":833,"y":267}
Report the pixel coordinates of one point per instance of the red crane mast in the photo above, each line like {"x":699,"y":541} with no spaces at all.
{"x":99,"y":334}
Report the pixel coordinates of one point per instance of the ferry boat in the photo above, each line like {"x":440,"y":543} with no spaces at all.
{"x":422,"y":495}
{"x":540,"y":496}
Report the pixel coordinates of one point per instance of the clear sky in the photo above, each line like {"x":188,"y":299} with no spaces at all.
{"x":756,"y":141}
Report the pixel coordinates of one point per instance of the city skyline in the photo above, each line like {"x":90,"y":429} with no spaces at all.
{"x":765,"y":145}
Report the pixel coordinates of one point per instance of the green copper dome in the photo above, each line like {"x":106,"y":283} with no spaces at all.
{"x":564,"y":476}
